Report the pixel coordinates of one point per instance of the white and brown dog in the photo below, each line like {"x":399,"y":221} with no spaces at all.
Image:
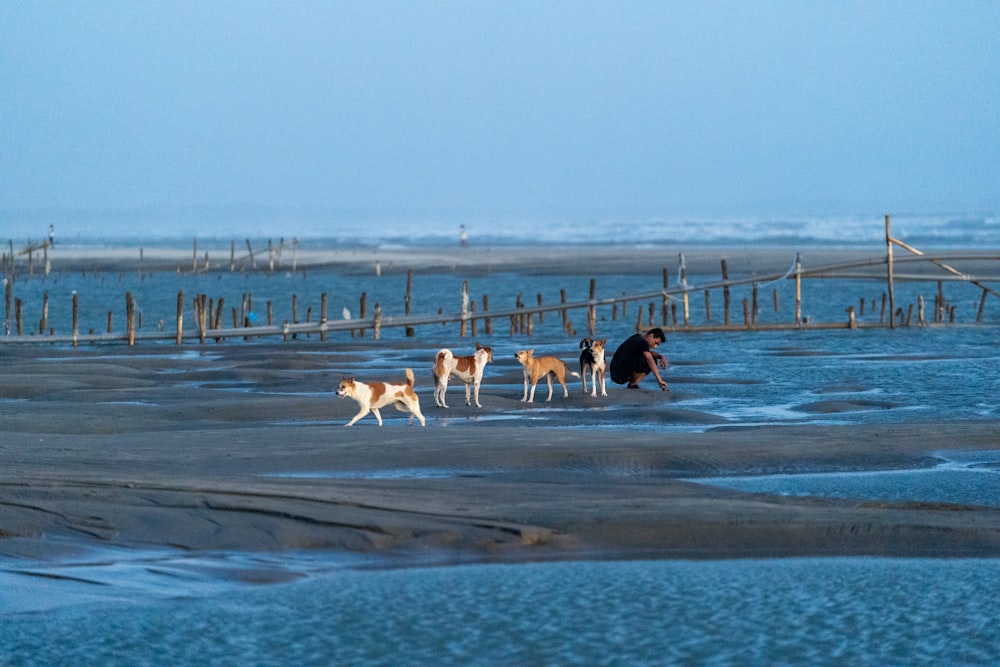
{"x":466,"y":369}
{"x":535,"y":368}
{"x":592,"y":362}
{"x":374,"y":395}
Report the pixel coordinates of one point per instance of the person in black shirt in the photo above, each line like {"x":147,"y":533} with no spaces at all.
{"x":636,"y":357}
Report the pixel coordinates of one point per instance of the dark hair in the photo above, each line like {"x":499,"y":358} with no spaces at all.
{"x":658,"y":332}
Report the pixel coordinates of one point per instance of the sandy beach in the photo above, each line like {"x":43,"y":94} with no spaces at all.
{"x":242,"y":447}
{"x":140,"y":448}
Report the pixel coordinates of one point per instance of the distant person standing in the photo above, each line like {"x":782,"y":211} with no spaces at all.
{"x":52,"y":235}
{"x":463,"y":237}
{"x":636,"y":358}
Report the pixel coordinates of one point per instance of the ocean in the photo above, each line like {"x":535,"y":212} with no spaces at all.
{"x":962,"y":229}
{"x":121,"y":607}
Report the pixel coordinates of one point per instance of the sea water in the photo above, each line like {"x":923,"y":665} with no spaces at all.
{"x":815,"y":611}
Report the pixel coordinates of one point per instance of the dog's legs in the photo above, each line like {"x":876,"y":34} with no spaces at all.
{"x":378,"y":415}
{"x":468,"y":392}
{"x":583,"y":376}
{"x":525,"y":399}
{"x":358,"y":416}
{"x":440,"y":390}
{"x":593,"y":381}
{"x":562,"y":380}
{"x":548,"y":378}
{"x":415,"y":411}
{"x":476,"y":393}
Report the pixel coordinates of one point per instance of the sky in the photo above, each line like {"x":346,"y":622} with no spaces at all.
{"x":487,"y":110}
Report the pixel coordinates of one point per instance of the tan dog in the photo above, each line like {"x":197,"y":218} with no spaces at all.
{"x":592,"y":361}
{"x":535,"y":368}
{"x":374,"y":395}
{"x":467,"y":369}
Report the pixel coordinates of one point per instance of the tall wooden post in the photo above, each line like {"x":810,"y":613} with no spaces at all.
{"x":129,"y":318}
{"x":180,"y":316}
{"x":406,"y":301}
{"x":322,"y":307}
{"x":592,"y":309}
{"x":725,"y":292}
{"x":44,"y":324}
{"x":465,"y":309}
{"x":666,"y":299}
{"x":888,"y":261}
{"x":798,"y":289}
{"x":684,"y":286}
{"x":76,"y":317}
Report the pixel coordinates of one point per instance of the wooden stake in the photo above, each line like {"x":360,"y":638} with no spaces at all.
{"x":725,"y":292}
{"x":889,"y":276}
{"x":180,"y":316}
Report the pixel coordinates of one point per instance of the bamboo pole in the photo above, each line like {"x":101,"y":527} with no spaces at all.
{"x":798,"y":289}
{"x":180,"y":316}
{"x":407,"y":298}
{"x":666,"y":299}
{"x":684,"y":286}
{"x":44,"y":323}
{"x":464,"y":309}
{"x":725,"y":291}
{"x":76,"y":317}
{"x":130,"y":318}
{"x":322,"y":307}
{"x":363,"y":312}
{"x":592,"y":309}
{"x":889,"y":270}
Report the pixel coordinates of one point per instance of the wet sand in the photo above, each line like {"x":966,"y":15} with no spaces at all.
{"x":242,"y":447}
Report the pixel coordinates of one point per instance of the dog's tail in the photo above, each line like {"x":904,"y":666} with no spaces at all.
{"x":409,"y":377}
{"x":584,"y":343}
{"x":443,"y":355}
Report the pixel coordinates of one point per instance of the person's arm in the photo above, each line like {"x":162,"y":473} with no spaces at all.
{"x":651,"y":360}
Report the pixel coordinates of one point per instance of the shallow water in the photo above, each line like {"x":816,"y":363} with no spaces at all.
{"x":858,"y":611}
{"x":965,"y":478}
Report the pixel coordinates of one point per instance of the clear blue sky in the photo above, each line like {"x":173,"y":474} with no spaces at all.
{"x":487,"y":109}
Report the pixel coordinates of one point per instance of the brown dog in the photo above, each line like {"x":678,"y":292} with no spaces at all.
{"x":535,"y":368}
{"x":374,"y":395}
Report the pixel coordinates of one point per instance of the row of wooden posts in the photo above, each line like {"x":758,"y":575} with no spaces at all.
{"x":8,"y":265}
{"x":208,"y":315}
{"x":674,"y":307}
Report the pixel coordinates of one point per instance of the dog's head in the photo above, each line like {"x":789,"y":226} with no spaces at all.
{"x":524,"y":355}
{"x":487,"y":350}
{"x":346,"y":387}
{"x":598,"y":345}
